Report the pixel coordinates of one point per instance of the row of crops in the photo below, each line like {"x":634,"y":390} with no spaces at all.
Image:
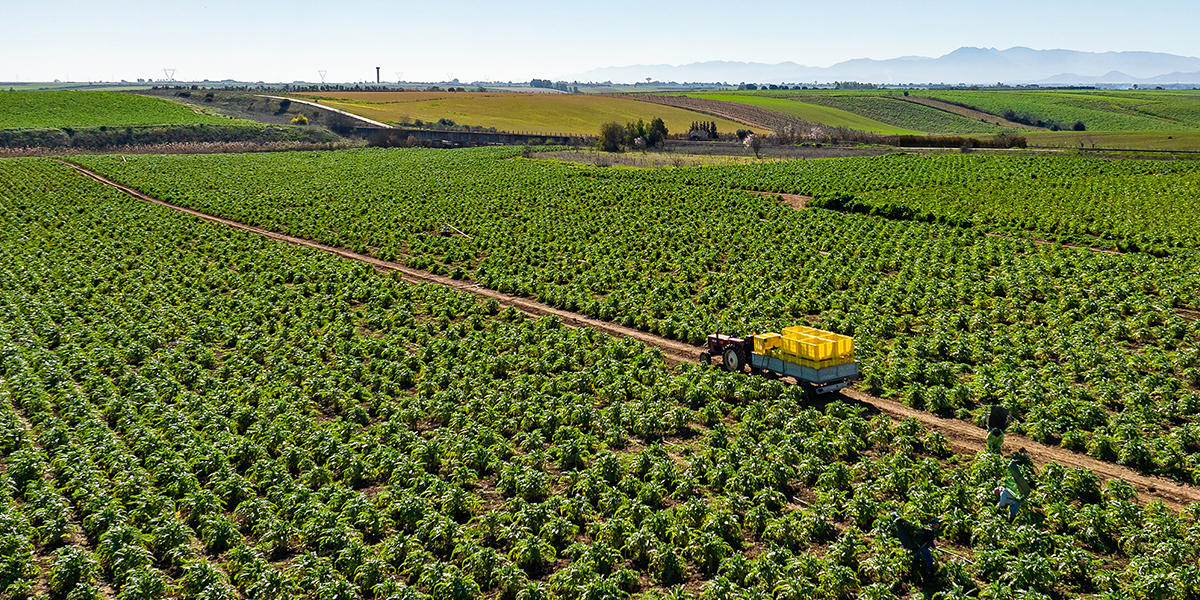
{"x":890,"y":108}
{"x":1094,"y":352}
{"x":902,"y":113}
{"x":1148,"y":205}
{"x":192,"y":411}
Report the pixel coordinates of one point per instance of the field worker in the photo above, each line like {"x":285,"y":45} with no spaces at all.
{"x":996,"y":422}
{"x":995,"y":439}
{"x":925,"y":539}
{"x":1013,"y":492}
{"x":919,"y":541}
{"x":1005,"y":498}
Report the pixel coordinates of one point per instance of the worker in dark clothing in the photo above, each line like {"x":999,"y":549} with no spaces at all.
{"x":996,"y":423}
{"x":918,"y":541}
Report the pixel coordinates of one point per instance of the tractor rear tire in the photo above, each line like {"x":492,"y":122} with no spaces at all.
{"x":733,"y":361}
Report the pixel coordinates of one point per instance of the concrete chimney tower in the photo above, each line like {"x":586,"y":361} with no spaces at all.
{"x":376,"y":74}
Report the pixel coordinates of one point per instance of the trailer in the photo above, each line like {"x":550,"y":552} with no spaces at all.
{"x":822,"y":361}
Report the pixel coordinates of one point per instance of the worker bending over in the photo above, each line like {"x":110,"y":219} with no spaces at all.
{"x":1013,"y":492}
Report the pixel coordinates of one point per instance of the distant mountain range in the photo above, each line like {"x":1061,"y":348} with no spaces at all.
{"x":972,"y":66}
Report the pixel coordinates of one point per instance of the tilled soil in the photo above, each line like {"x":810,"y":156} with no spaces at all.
{"x":963,"y":437}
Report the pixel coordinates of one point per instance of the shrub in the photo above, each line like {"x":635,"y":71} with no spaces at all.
{"x":300,"y":120}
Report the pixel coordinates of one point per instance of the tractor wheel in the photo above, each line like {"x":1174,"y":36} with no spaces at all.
{"x":706,"y":358}
{"x":733,"y":361}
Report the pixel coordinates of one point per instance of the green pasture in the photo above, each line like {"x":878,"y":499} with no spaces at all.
{"x":1100,"y":110}
{"x":92,"y":109}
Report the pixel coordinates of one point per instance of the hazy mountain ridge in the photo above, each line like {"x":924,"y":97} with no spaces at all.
{"x":1018,"y":65}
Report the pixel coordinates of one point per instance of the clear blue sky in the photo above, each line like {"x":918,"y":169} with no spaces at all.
{"x":520,"y":39}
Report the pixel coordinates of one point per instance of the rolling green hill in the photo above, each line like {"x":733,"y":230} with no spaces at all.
{"x":899,"y":113}
{"x":92,"y":109}
{"x":1100,"y":110}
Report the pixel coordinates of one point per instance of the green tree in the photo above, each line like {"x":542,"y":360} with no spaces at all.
{"x":611,"y":136}
{"x":656,"y":132}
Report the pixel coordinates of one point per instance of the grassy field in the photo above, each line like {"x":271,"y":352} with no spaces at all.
{"x":875,"y":111}
{"x":1136,"y":115}
{"x":1100,"y":110}
{"x":537,"y":113}
{"x":92,"y":109}
{"x":900,"y":113}
{"x":1140,"y":140}
{"x":825,"y":115}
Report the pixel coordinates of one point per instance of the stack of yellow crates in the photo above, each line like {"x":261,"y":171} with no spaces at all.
{"x":807,"y":346}
{"x":764,"y":343}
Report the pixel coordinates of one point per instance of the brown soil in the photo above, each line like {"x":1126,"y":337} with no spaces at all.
{"x":1042,"y":242}
{"x":970,"y":113}
{"x":963,"y":437}
{"x":746,"y":114}
{"x":795,"y":201}
{"x":1190,"y":315}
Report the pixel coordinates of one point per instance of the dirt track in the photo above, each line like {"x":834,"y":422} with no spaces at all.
{"x":795,"y":201}
{"x":964,"y":438}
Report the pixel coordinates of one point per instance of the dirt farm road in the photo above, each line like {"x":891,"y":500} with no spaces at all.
{"x":964,"y":438}
{"x":331,"y":109}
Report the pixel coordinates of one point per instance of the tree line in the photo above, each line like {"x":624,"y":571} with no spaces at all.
{"x":632,"y":135}
{"x":1028,"y":118}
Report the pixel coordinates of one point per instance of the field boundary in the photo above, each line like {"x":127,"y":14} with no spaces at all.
{"x":970,"y":113}
{"x":963,"y":437}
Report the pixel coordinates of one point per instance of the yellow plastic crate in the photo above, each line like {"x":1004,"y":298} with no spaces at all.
{"x":765,"y":342}
{"x":816,"y":364}
{"x":806,"y":345}
{"x":815,"y":344}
